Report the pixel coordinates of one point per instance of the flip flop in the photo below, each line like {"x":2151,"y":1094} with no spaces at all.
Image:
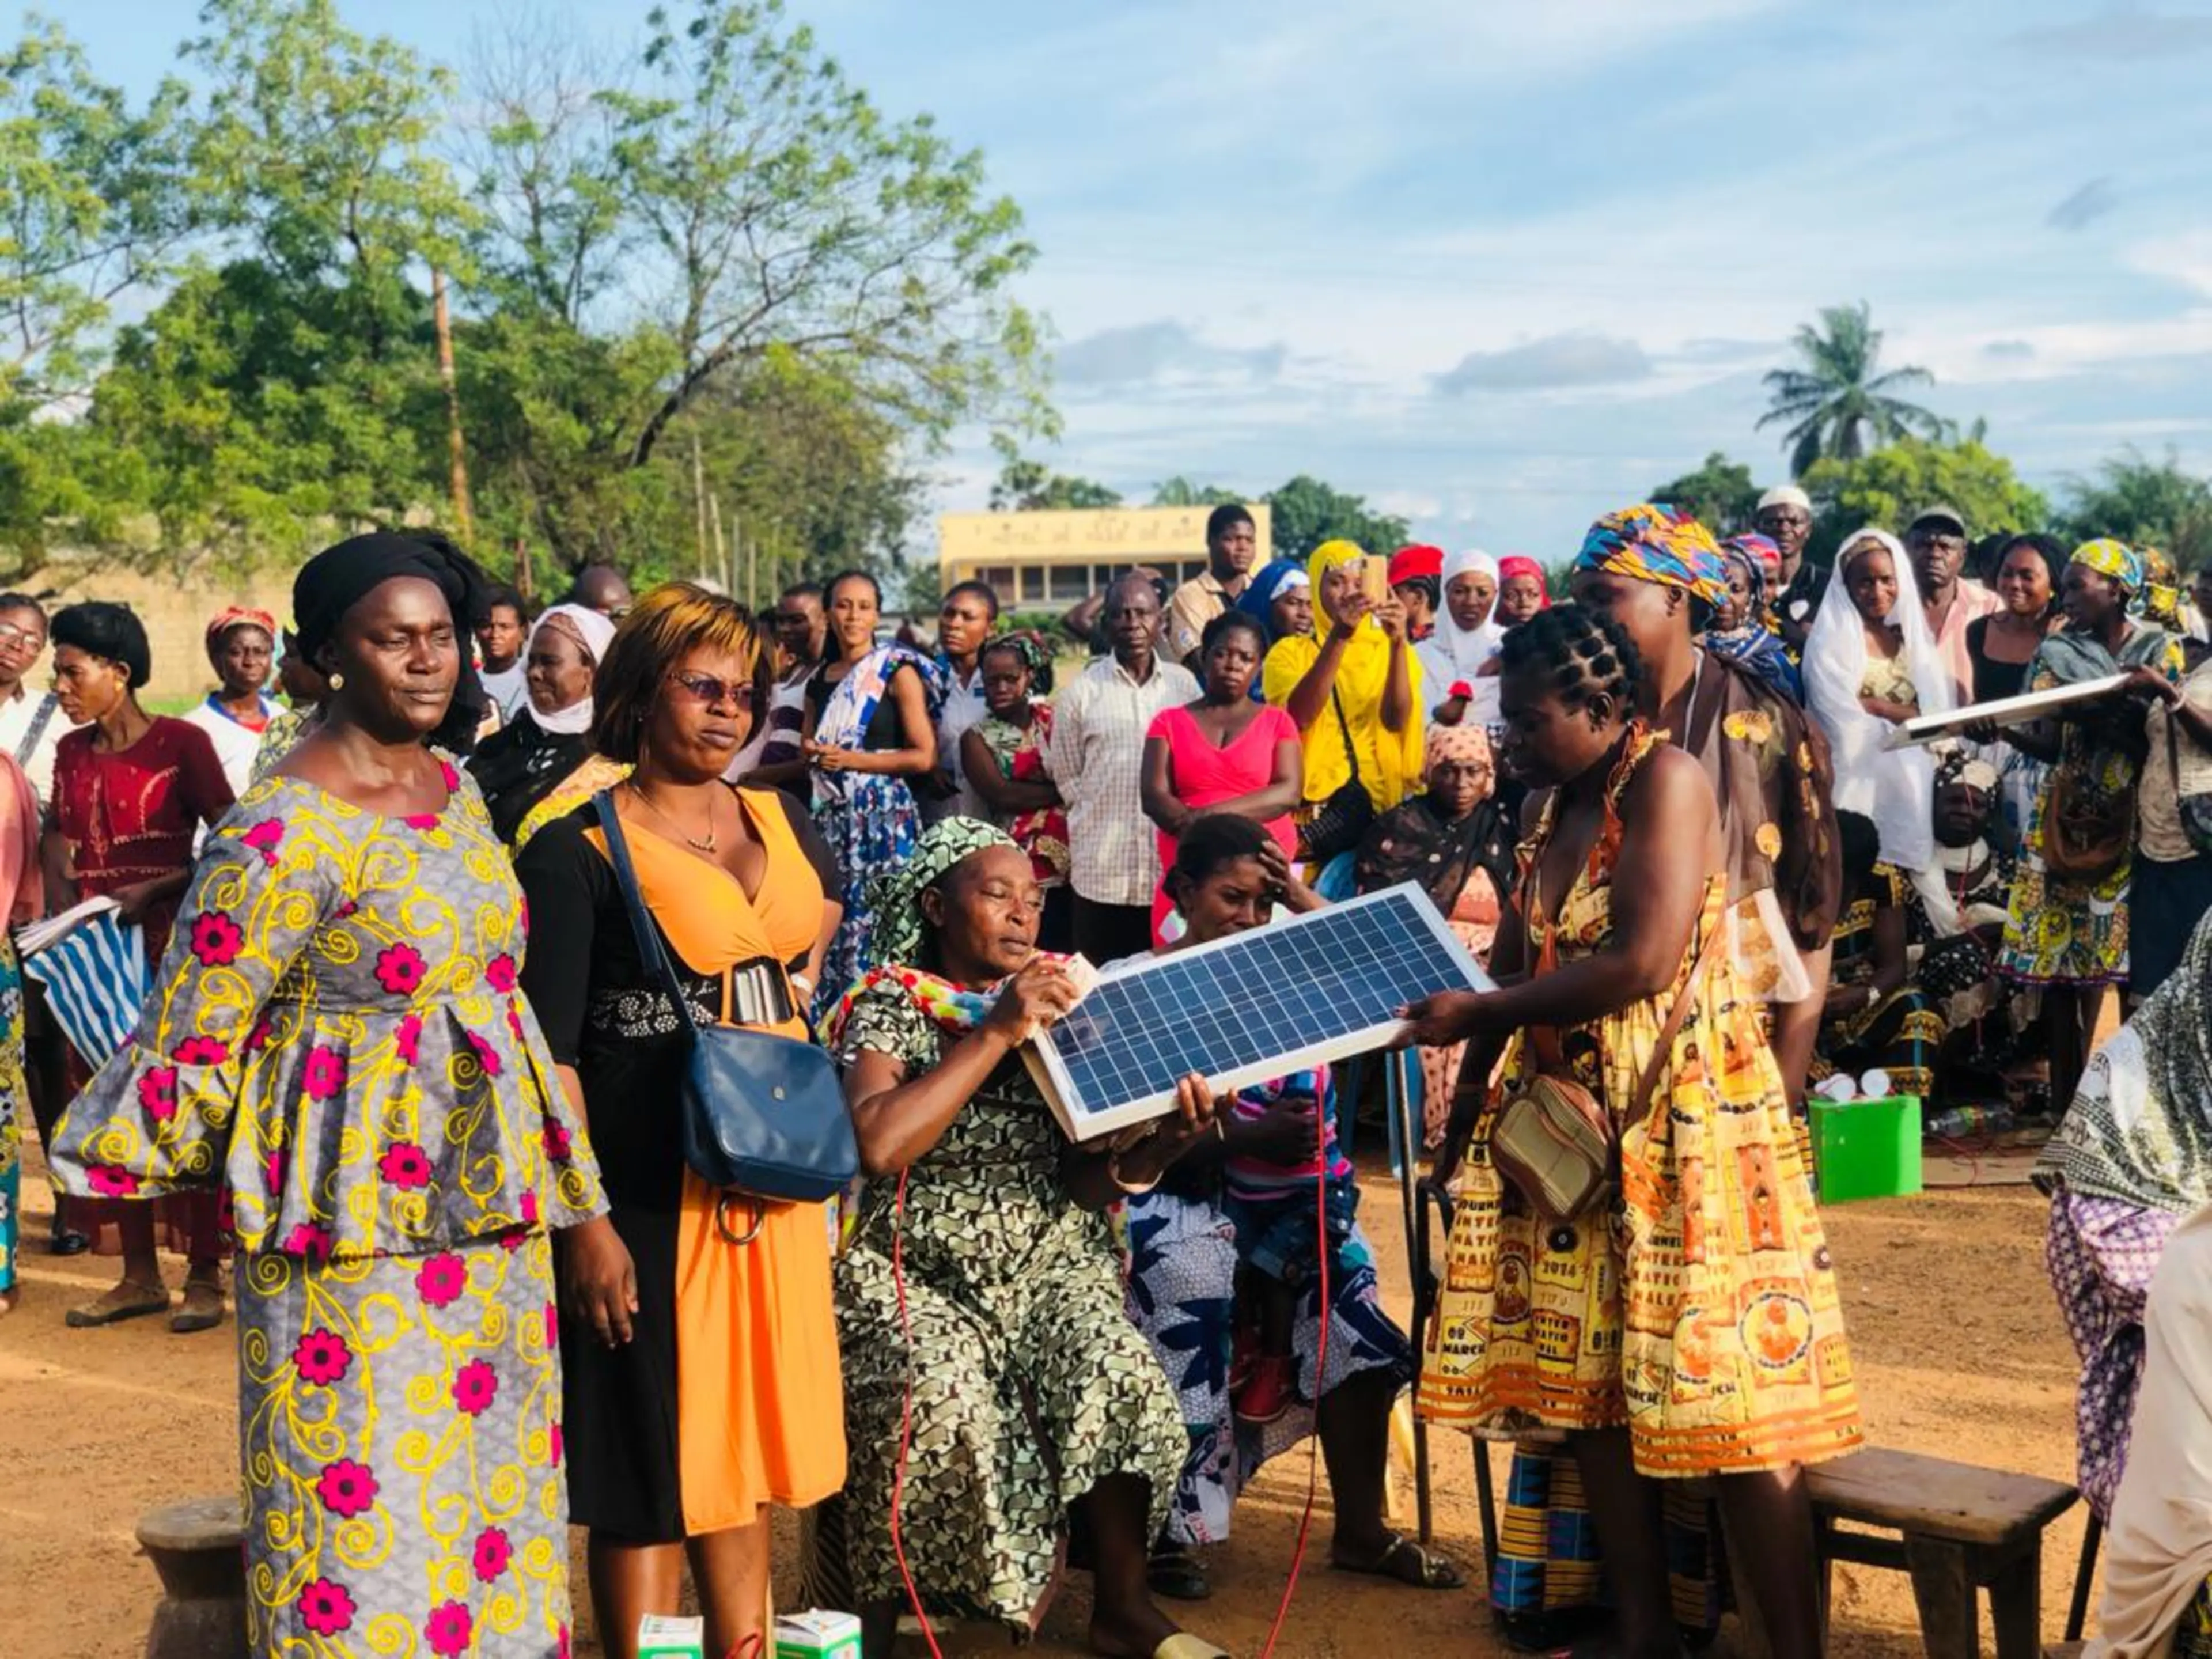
{"x":94,"y":1314}
{"x":1405,"y":1562}
{"x":1184,"y":1646}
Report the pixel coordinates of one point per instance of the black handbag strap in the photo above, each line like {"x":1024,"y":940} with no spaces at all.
{"x":1350,"y":753}
{"x":650,"y":949}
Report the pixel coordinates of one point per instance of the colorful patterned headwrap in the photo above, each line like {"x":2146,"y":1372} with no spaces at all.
{"x":2114,"y":559}
{"x":1036,"y":655}
{"x":2161,"y":592}
{"x":1520,"y":564}
{"x":1764,"y":550}
{"x":239,"y":616}
{"x":895,"y":896}
{"x":1654,"y":542}
{"x":1466,"y":743}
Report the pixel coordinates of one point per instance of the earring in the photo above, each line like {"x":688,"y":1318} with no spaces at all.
{"x":337,"y":682}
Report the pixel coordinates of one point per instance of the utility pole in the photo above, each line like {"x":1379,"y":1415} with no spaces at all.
{"x":699,"y":503}
{"x":462,"y":518}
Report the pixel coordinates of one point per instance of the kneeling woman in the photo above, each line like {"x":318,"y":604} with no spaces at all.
{"x":981,"y":1285}
{"x":1186,"y":1254}
{"x":1707,"y":1337}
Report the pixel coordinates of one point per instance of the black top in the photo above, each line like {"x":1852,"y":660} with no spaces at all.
{"x":520,"y":764}
{"x":1992,"y":679}
{"x":603,"y":1010}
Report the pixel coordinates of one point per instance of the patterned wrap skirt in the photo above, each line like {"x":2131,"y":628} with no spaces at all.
{"x":400,"y":1443}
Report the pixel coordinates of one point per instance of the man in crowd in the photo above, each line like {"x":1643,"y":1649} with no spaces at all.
{"x":603,"y":589}
{"x":1096,"y":754}
{"x":1785,"y":518}
{"x":964,"y":620}
{"x":1935,"y":542}
{"x":31,"y":722}
{"x":1232,"y":546}
{"x":500,"y":634}
{"x":800,"y":628}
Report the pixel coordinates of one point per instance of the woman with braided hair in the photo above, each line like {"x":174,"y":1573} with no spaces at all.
{"x":1694,"y":1330}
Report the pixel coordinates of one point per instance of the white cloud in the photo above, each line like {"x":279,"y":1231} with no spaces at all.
{"x":1560,"y":360}
{"x":1160,"y":350}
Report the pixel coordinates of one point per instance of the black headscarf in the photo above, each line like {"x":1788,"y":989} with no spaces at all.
{"x":338,"y":578}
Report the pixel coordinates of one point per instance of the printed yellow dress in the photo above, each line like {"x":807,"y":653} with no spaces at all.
{"x":1701,"y":1312}
{"x":337,"y":1039}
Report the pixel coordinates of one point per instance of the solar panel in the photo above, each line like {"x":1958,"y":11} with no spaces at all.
{"x":1240,"y":1010}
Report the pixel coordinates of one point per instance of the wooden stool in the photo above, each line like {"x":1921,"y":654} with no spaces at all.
{"x":1959,"y":1529}
{"x":198,"y":1549}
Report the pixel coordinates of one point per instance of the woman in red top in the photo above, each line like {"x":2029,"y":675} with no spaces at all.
{"x":131,"y":792}
{"x":1224,"y":753}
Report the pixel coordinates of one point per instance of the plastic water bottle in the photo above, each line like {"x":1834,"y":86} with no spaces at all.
{"x":1968,"y":1122}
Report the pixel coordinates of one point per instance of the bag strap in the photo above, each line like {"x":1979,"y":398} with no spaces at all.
{"x":1663,"y":1051}
{"x":1350,"y":753}
{"x":650,"y":949}
{"x":39,"y":721}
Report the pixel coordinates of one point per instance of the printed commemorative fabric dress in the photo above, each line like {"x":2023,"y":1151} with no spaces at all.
{"x":870,"y":819}
{"x":1702,"y":1313}
{"x":335,"y":1034}
{"x":1902,"y":1033}
{"x":1030,"y":1384}
{"x":15,"y":1097}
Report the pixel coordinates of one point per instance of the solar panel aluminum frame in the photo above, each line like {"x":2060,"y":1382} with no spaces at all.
{"x":1051,"y":1075}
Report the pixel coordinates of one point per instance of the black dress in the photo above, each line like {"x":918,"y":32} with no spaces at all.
{"x":520,"y":764}
{"x":604,"y":1013}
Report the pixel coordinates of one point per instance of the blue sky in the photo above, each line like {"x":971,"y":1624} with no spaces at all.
{"x":1503,"y":267}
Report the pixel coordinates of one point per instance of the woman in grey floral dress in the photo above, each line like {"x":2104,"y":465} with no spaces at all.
{"x":1032,"y":1395}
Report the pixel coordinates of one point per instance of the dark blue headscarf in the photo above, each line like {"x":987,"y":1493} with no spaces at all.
{"x":1258,"y":598}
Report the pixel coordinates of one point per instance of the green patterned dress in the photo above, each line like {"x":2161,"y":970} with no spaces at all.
{"x":1030,"y":1385}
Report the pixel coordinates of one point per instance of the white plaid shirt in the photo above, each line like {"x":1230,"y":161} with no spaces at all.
{"x":1097,"y":756}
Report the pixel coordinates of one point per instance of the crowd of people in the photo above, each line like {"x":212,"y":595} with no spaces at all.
{"x":427,"y":942}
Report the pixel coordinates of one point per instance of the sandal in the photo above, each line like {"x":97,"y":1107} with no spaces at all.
{"x":1408,"y":1563}
{"x":200,"y":1309}
{"x":1173,"y":1572}
{"x":116,"y":1306}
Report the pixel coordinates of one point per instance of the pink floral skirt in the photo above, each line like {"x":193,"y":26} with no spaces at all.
{"x":400,"y":1443}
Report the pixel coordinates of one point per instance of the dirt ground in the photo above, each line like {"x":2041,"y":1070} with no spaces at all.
{"x":1958,"y":1343}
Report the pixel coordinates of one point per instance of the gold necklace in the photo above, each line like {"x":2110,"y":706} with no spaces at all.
{"x":706,"y":846}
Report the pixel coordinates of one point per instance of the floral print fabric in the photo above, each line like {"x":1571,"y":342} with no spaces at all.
{"x":399,"y":1439}
{"x":14,"y":1095}
{"x":335,"y":1034}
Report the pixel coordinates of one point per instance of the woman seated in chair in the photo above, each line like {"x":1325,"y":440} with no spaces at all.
{"x":2132,"y":1158}
{"x":1191,"y":1239}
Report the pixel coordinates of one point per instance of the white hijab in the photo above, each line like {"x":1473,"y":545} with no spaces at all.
{"x":1453,"y":652}
{"x":1894,"y":787}
{"x":597,"y":632}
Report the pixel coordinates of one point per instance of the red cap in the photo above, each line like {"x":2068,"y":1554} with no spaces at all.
{"x":1408,"y":563}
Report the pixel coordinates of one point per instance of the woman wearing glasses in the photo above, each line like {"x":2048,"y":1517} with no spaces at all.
{"x":704,"y":1362}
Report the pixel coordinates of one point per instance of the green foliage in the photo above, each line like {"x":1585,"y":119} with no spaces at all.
{"x":1720,"y":493}
{"x":1304,"y":512}
{"x":2145,"y":503}
{"x":1027,"y":486}
{"x":1837,"y":405}
{"x":710,"y":282}
{"x":1887,"y":488}
{"x":1182,"y":492}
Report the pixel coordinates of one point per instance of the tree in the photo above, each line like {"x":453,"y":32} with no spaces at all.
{"x":1887,"y":488}
{"x":1304,"y":512}
{"x":1025,"y":486}
{"x":1838,"y":405}
{"x":2144,"y":503}
{"x":1720,"y":493}
{"x":786,"y":211}
{"x":1182,"y":492}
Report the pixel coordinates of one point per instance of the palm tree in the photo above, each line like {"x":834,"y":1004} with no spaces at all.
{"x":1837,"y":402}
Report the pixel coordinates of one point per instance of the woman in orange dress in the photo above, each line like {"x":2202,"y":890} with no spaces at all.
{"x":701,"y":1375}
{"x":1688,"y":1326}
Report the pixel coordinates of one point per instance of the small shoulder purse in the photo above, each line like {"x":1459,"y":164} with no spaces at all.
{"x":764,"y":1120}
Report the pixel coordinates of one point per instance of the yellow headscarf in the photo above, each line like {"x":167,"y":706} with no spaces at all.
{"x":1390,"y":762}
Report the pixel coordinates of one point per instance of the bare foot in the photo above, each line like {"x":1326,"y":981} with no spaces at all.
{"x":8,"y":1300}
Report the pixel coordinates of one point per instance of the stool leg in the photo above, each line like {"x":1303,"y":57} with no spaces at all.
{"x":2085,"y":1571}
{"x":2016,"y":1605}
{"x":1945,"y":1592}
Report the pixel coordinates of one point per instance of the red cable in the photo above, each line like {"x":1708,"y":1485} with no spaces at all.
{"x":906,"y":1416}
{"x":1321,"y":1376}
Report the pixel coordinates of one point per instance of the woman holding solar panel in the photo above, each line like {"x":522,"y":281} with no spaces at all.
{"x":1683,"y":1249}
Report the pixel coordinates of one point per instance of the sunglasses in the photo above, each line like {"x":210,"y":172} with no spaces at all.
{"x":14,"y":638}
{"x":710,"y":693}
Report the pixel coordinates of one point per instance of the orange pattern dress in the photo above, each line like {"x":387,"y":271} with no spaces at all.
{"x":1701,"y":1312}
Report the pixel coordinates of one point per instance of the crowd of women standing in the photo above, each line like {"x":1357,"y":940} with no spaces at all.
{"x":480,"y":1292}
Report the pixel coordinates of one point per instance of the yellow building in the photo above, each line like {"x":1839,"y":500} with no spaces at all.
{"x":1055,"y":558}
